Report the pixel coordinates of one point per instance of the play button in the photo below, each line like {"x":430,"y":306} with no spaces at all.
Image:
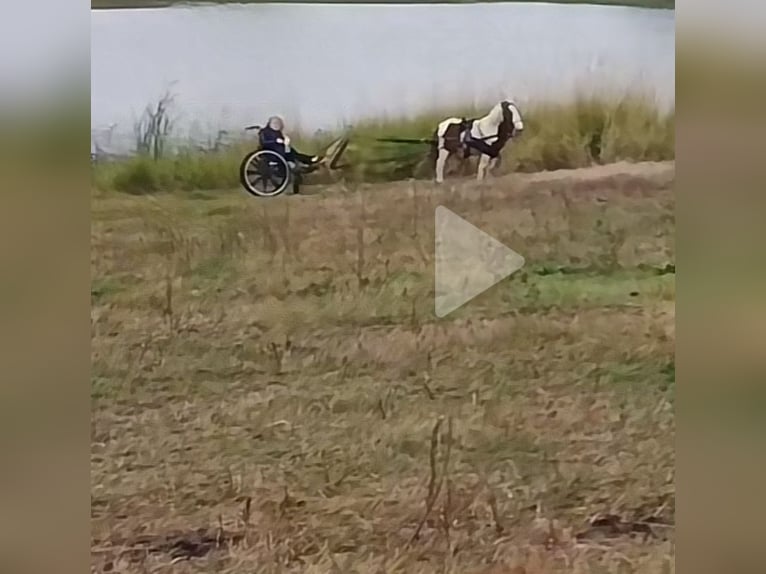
{"x":468,"y":261}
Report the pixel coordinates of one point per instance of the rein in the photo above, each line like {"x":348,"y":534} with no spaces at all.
{"x":407,"y":140}
{"x":504,"y":133}
{"x":422,"y":140}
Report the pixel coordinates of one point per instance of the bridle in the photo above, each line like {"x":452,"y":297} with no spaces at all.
{"x":507,"y":128}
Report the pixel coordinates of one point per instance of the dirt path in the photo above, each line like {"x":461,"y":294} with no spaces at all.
{"x":649,"y":170}
{"x":650,"y":174}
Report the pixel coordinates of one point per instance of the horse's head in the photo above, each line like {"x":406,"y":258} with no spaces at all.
{"x":512,"y":123}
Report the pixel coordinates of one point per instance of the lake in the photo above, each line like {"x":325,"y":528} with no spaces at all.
{"x":322,"y":66}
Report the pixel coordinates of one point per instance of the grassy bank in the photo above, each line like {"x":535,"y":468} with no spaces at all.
{"x":107,"y":4}
{"x":586,"y":132}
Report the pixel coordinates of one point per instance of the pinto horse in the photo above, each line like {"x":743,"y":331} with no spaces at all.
{"x":487,"y":136}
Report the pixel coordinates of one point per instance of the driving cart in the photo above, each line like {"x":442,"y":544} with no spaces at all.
{"x":268,"y":173}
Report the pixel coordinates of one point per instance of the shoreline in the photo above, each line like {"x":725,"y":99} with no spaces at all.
{"x":147,"y":4}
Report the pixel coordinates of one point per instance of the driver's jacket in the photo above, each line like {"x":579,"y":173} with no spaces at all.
{"x":274,"y":140}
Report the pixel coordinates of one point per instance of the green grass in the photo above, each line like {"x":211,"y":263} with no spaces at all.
{"x":586,"y":132}
{"x":107,"y":4}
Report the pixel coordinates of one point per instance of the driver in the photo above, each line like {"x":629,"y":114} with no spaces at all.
{"x":272,"y":138}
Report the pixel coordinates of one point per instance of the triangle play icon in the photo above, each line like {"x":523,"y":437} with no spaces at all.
{"x":468,"y":261}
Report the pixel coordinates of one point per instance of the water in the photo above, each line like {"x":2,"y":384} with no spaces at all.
{"x":325,"y":65}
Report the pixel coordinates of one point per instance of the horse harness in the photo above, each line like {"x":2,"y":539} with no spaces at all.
{"x":464,"y":140}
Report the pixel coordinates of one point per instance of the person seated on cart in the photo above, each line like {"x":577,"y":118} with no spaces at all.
{"x":272,"y":138}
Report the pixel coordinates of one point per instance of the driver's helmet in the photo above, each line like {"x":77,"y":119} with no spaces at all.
{"x":276,"y":123}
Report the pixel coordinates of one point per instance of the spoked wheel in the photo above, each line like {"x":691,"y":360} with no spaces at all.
{"x":264,"y":173}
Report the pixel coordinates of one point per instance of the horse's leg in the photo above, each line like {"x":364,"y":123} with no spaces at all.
{"x":491,"y":165}
{"x":441,"y":161}
{"x":483,"y":163}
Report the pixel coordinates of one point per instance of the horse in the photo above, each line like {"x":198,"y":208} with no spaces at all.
{"x":487,"y":135}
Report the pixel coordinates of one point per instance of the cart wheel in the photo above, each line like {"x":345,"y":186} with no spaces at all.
{"x":264,"y":173}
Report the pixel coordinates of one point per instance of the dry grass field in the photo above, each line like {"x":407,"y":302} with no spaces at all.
{"x":273,"y":393}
